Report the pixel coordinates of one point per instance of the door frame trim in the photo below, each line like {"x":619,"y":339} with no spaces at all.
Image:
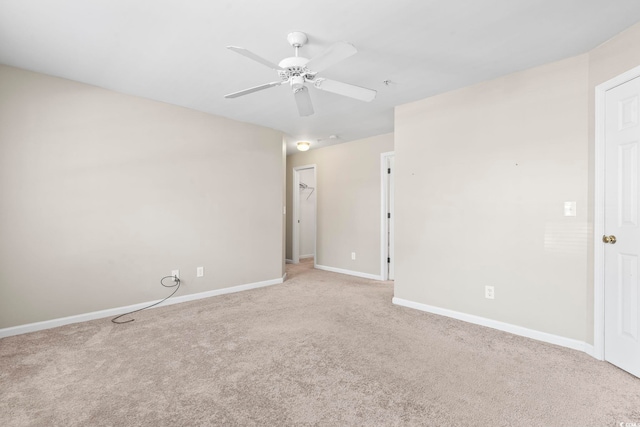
{"x":598,"y":205}
{"x":384,"y":193}
{"x":295,"y":227}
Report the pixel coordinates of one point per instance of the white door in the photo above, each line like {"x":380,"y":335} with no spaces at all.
{"x":390,"y":219}
{"x":621,"y":227}
{"x":387,"y":253}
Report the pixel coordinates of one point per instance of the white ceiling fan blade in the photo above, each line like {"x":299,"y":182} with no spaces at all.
{"x":244,"y":52}
{"x":253,"y":89}
{"x":334,"y":54}
{"x":303,"y":101}
{"x":345,"y":89}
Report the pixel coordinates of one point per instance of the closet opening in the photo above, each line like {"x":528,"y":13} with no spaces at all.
{"x":304,"y":213}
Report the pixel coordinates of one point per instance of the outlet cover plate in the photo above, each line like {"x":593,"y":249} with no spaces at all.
{"x":489,"y":292}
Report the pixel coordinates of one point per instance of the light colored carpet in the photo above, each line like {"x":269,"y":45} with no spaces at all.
{"x":321,"y":349}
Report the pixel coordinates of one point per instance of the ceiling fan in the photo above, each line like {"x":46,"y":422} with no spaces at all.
{"x":297,"y":71}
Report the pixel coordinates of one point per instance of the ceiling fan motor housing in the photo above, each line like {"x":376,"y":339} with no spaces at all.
{"x":295,"y":66}
{"x":293,"y":62}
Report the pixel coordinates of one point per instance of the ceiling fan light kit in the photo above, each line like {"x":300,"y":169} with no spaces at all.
{"x":297,"y":71}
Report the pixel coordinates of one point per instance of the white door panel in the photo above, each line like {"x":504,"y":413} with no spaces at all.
{"x":391,"y":236}
{"x":621,"y":293}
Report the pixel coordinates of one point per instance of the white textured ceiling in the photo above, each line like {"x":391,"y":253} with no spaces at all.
{"x":174,"y":50}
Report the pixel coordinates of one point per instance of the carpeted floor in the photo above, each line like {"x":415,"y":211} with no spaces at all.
{"x":321,"y":349}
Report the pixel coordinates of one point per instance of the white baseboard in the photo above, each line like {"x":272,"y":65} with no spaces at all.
{"x":506,"y":327}
{"x":591,"y":351}
{"x":349,"y":272}
{"x":54,"y":323}
{"x":306,"y":256}
{"x":288,"y":261}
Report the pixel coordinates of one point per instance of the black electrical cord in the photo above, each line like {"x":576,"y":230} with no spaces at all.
{"x":176,"y":284}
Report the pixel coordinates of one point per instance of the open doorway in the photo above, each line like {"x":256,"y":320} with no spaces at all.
{"x":304,"y":213}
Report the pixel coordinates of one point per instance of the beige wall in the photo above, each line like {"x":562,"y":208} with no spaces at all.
{"x":103,"y":194}
{"x":467,"y":216}
{"x":348,"y":197}
{"x":482,"y":176}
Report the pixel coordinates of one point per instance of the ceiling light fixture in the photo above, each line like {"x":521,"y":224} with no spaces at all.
{"x":303,"y":145}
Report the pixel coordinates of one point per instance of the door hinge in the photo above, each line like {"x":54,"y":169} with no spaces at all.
{"x":389,"y":215}
{"x":388,"y":170}
{"x":388,"y":260}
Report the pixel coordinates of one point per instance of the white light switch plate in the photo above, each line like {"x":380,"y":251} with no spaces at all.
{"x":569,"y":208}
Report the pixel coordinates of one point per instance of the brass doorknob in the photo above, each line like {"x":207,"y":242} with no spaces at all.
{"x":609,"y":239}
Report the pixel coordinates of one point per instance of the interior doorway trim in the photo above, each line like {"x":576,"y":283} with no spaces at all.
{"x":598,"y":218}
{"x":295,"y":225}
{"x":384,"y":224}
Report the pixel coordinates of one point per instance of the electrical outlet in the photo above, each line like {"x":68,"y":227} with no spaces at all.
{"x":175,"y":273}
{"x":200,"y":272}
{"x":489,"y":292}
{"x":353,"y":255}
